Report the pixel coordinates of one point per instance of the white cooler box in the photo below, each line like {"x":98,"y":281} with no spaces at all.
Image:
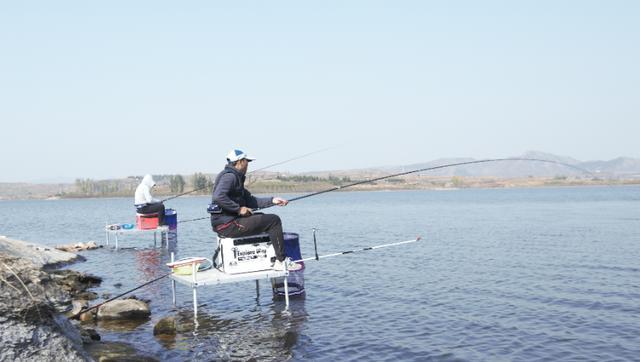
{"x":245,"y":254}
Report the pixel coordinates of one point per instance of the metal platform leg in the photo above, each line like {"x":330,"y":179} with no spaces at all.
{"x":107,"y":237}
{"x":195,"y":292}
{"x":155,"y":239}
{"x":173,"y":285}
{"x":195,"y":302}
{"x":286,"y":286}
{"x":116,"y":240}
{"x":173,"y":292}
{"x":257,"y":289}
{"x":165,"y":236}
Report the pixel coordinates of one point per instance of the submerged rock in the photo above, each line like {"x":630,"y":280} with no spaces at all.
{"x":166,"y":326}
{"x":87,"y":295}
{"x":116,"y":351}
{"x":124,"y":309}
{"x":89,"y":335}
{"x":73,"y":248}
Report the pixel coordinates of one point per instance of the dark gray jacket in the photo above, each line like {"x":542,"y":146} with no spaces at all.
{"x":229,"y":195}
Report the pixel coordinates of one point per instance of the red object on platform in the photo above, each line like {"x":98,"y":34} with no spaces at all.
{"x":146,"y":221}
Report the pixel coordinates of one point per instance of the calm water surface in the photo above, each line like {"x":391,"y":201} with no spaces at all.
{"x":509,"y":274}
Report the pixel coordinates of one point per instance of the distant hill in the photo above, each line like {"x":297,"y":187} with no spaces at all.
{"x":618,"y":168}
{"x":622,"y":167}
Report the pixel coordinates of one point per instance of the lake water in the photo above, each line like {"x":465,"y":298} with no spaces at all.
{"x":500,"y":274}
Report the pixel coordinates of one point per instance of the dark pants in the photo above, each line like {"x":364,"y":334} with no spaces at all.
{"x":152,"y":209}
{"x":256,"y":224}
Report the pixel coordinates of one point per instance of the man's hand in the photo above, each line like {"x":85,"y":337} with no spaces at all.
{"x":245,"y":211}
{"x":279,"y":201}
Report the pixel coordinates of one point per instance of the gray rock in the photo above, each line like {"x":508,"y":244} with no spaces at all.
{"x":90,"y":245}
{"x":38,"y":254}
{"x":30,"y":299}
{"x":166,"y":326}
{"x":87,"y":295}
{"x":77,"y":306}
{"x":89,"y":335}
{"x":51,"y":338}
{"x":117,"y":351}
{"x":124,"y":309}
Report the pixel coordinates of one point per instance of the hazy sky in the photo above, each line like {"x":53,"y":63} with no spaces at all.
{"x":110,"y":89}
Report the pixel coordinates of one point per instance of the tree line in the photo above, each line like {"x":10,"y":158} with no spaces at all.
{"x":87,"y":187}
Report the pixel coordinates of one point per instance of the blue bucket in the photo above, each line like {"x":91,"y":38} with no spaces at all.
{"x":292,"y":246}
{"x":171,"y":218}
{"x":295,"y":280}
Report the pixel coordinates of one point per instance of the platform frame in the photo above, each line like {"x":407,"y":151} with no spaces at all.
{"x":214,"y":276}
{"x":163,"y":230}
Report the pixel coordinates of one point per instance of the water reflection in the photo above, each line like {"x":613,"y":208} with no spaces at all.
{"x":270,"y":332}
{"x":172,"y":241}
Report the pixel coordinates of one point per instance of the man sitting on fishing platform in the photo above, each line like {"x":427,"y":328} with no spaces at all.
{"x":145,"y":203}
{"x":232,"y":207}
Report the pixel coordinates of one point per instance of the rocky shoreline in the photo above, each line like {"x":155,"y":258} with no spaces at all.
{"x":37,"y":299}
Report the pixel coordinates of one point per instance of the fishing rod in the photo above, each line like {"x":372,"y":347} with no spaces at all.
{"x":431,"y":169}
{"x":260,"y":169}
{"x":316,"y":257}
{"x":422,"y":170}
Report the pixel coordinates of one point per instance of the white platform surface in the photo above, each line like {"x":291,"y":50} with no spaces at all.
{"x":214,"y":276}
{"x":163,"y":228}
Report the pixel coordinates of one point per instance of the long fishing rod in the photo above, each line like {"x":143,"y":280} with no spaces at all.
{"x":431,"y":169}
{"x":422,"y":170}
{"x":260,"y":169}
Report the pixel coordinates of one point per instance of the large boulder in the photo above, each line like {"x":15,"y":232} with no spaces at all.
{"x":124,"y":309}
{"x":39,"y":255}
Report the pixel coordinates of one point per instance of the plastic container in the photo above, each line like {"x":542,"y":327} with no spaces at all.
{"x":186,"y":269}
{"x":146,"y":221}
{"x":171,"y":219}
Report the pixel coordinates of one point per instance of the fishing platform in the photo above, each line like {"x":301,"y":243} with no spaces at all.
{"x":112,"y":232}
{"x":214,"y":277}
{"x":240,"y":260}
{"x":145,"y":224}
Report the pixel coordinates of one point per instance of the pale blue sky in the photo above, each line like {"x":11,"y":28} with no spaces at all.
{"x":111,"y":89}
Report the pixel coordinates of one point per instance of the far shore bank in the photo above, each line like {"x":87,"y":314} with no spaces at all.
{"x":267,"y":186}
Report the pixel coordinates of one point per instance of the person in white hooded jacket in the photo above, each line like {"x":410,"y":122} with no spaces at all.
{"x":145,"y":203}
